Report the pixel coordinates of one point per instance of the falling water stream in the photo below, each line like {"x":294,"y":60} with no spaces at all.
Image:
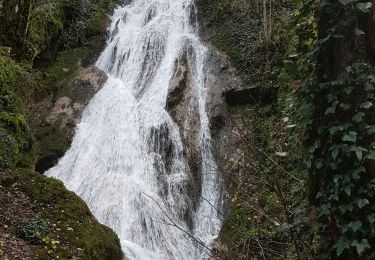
{"x":115,"y":163}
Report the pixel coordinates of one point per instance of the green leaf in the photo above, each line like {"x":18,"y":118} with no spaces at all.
{"x":356,"y":173}
{"x":332,"y":130}
{"x":344,"y":106}
{"x":371,"y":155}
{"x":358,"y":32}
{"x":335,"y":152}
{"x":348,"y":190}
{"x":362,"y":202}
{"x":371,"y":218}
{"x":350,"y":137}
{"x":341,"y":245}
{"x":355,"y":225}
{"x":370,"y":129}
{"x":344,"y":2}
{"x":330,"y":110}
{"x":358,"y":117}
{"x":361,"y":246}
{"x":358,"y":151}
{"x":366,"y":105}
{"x":364,"y":7}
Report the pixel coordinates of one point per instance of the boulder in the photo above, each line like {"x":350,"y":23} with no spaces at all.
{"x":56,"y":118}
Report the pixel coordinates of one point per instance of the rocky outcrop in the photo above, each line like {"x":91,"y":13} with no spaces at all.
{"x":182,"y":104}
{"x":69,"y":108}
{"x":56,"y":118}
{"x":220,"y":78}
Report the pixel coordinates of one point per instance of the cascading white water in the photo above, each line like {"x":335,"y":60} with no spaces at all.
{"x":113,"y":162}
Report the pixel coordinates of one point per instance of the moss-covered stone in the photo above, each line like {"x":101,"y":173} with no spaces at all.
{"x":16,"y":140}
{"x":70,"y":229}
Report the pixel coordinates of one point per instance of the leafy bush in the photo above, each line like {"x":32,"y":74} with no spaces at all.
{"x":33,"y":232}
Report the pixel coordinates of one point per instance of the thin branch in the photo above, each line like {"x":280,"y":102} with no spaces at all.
{"x":181,"y":229}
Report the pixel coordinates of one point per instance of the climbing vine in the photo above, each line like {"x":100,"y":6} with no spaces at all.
{"x":336,"y":90}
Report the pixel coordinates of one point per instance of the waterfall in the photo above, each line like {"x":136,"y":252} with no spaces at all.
{"x":128,"y":158}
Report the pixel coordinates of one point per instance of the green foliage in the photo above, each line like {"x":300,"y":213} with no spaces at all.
{"x":336,"y":105}
{"x":255,"y":45}
{"x":33,"y":232}
{"x":258,"y":223}
{"x":51,"y":25}
{"x":16,"y":141}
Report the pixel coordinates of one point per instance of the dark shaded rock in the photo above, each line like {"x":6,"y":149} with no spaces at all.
{"x":253,"y":95}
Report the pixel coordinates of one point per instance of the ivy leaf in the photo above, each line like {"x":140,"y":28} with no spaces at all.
{"x":362,"y":202}
{"x":335,"y":152}
{"x":358,"y":117}
{"x":344,"y":2}
{"x":356,"y":173}
{"x":361,"y":246}
{"x":370,"y":129}
{"x":332,"y":130}
{"x":358,"y":32}
{"x":344,"y":106}
{"x":366,"y":105}
{"x":330,"y":110}
{"x":371,"y":78}
{"x":348,"y":190}
{"x":371,"y":155}
{"x":371,"y":218}
{"x":350,"y":137}
{"x":341,"y":245}
{"x":358,"y":151}
{"x":355,"y":225}
{"x":364,"y":7}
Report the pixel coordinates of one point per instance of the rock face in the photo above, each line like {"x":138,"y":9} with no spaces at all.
{"x":68,"y":109}
{"x":58,"y":117}
{"x":182,"y":104}
{"x":220,"y":78}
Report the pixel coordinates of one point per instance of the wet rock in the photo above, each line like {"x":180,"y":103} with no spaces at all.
{"x":56,"y":118}
{"x":182,"y":104}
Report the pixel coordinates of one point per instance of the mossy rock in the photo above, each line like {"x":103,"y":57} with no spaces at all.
{"x":72,"y":230}
{"x":16,"y":140}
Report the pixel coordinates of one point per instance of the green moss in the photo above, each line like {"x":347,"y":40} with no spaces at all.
{"x":16,"y":140}
{"x":69,"y":220}
{"x":63,"y":71}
